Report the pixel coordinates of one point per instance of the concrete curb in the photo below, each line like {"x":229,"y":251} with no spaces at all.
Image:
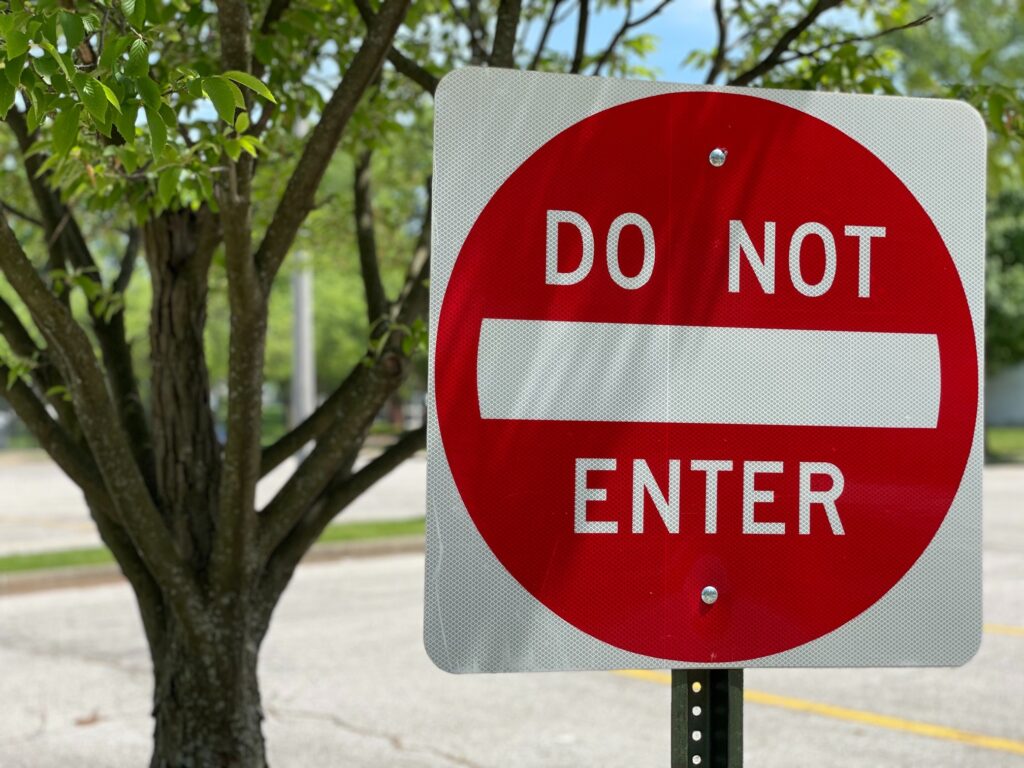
{"x":78,"y":577}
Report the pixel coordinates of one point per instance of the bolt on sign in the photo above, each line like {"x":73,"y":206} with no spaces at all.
{"x":704,"y":377}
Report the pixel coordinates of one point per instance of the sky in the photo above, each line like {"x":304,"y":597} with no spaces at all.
{"x":683,"y":26}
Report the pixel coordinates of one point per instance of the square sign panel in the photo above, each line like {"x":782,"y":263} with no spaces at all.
{"x":704,"y":377}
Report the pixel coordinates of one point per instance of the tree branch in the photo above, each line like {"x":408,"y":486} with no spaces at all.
{"x":147,"y":592}
{"x":475,"y":29}
{"x":75,"y":460}
{"x":549,"y":24}
{"x":581,"y":37}
{"x":376,"y":300}
{"x":101,"y":426}
{"x":503,"y":50}
{"x":796,"y":55}
{"x":365,"y":391}
{"x":297,"y":200}
{"x":44,"y":374}
{"x":402,"y":63}
{"x":67,"y":244}
{"x":338,"y":496}
{"x":723,"y":44}
{"x":313,"y":426}
{"x":627,"y":25}
{"x":21,"y":214}
{"x":410,"y":304}
{"x":78,"y":464}
{"x":774,"y":56}
{"x":415,"y":72}
{"x":412,"y":300}
{"x":273,"y":14}
{"x":128,"y":260}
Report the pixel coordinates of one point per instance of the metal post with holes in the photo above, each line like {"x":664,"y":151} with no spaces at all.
{"x":707,"y":718}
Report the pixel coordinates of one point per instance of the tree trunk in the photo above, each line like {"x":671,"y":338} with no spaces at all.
{"x":207,"y":710}
{"x":179,"y":245}
{"x":206,"y":697}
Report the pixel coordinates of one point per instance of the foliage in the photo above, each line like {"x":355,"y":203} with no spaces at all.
{"x":972,"y":51}
{"x":1004,"y":279}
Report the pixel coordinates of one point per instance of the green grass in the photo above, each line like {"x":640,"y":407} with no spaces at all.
{"x":1005,"y":443}
{"x":373,"y":530}
{"x":101,"y":555}
{"x":65,"y":559}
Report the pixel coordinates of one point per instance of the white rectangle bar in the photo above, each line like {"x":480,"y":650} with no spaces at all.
{"x":568,"y":371}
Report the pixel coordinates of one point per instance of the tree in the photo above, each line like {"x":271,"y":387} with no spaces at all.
{"x":198,"y":135}
{"x":971,"y":53}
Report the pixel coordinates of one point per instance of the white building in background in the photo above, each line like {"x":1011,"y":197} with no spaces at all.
{"x":1004,"y":398}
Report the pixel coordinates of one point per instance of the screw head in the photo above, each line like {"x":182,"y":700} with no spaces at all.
{"x":717,"y":157}
{"x":709,"y":595}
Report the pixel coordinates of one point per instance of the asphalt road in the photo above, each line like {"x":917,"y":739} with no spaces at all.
{"x":346,"y":683}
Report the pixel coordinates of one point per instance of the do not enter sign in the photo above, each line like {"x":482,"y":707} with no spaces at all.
{"x":704,"y":381}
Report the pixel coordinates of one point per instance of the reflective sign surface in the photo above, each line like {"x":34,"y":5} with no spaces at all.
{"x":693,"y":339}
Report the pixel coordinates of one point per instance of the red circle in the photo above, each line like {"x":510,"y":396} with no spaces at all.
{"x":641,"y":592}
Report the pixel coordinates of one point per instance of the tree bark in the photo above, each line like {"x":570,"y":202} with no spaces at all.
{"x":179,"y":245}
{"x":207,"y":711}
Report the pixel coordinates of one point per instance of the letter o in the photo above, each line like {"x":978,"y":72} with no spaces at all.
{"x":647,"y":232}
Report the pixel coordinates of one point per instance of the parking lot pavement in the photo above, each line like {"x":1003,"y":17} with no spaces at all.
{"x":346,"y":683}
{"x":41,"y":510}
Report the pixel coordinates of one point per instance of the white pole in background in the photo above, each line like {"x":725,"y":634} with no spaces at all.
{"x":303,"y":395}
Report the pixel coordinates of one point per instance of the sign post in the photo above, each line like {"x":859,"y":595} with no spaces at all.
{"x":707,"y":718}
{"x":704,"y":383}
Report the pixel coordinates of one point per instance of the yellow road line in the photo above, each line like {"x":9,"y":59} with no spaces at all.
{"x":1004,"y":629}
{"x":855,"y":716}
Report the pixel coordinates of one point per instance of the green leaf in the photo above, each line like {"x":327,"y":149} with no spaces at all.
{"x":45,"y":66}
{"x":34,"y":116}
{"x":129,"y":158}
{"x":138,"y":14}
{"x":17,"y":44}
{"x":65,"y":129}
{"x":58,"y":391}
{"x":150,"y":93}
{"x":111,"y":97}
{"x":125,"y":122}
{"x":13,"y":70}
{"x":49,"y":164}
{"x":249,"y":144}
{"x":113,"y":47}
{"x":74,"y":28}
{"x":91,"y":22}
{"x":49,"y":27}
{"x":242,"y":122}
{"x":252,"y":83}
{"x":169,"y":118}
{"x":138,"y":59}
{"x":128,"y":7}
{"x":222,"y":93}
{"x":234,"y":148}
{"x":167,"y":185}
{"x":6,"y":98}
{"x":157,"y":131}
{"x":92,"y":96}
{"x":979,"y":63}
{"x":996,"y":110}
{"x":48,"y":47}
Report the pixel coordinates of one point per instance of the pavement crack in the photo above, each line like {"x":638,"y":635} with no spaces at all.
{"x":394,"y":740}
{"x":32,"y":647}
